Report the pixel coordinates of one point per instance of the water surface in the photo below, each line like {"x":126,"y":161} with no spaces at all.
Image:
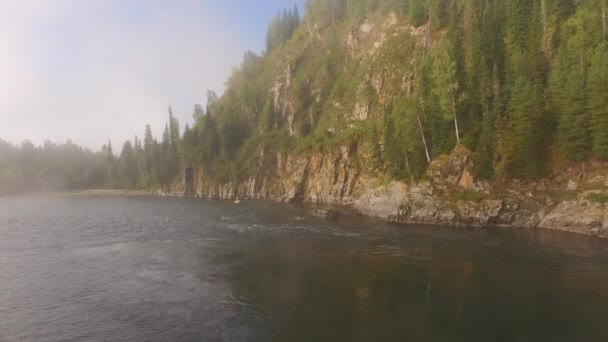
{"x":87,"y":268}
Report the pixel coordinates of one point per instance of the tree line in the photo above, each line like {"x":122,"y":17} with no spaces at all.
{"x":282,"y":27}
{"x":522,"y":84}
{"x":141,"y":164}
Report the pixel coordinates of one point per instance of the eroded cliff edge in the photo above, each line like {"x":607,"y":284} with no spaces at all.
{"x":449,"y":194}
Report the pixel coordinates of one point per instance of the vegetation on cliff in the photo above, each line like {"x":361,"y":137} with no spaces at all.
{"x":523,"y":84}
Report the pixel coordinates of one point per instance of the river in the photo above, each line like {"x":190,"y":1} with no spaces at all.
{"x":110,"y":268}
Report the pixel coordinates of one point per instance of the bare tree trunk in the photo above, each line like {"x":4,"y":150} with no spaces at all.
{"x":426,"y":149}
{"x":423,"y":107}
{"x":453,"y":96}
{"x":309,"y":30}
{"x":455,"y":119}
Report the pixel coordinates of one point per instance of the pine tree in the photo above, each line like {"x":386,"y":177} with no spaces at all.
{"x":296,"y":17}
{"x":127,"y":166}
{"x":166,"y":140}
{"x":174,"y":130}
{"x":524,"y":111}
{"x":148,"y":139}
{"x":492,"y":109}
{"x":573,"y":134}
{"x":198,"y":112}
{"x":445,"y":83}
{"x":598,"y":99}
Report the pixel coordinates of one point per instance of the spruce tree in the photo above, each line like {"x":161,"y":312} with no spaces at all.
{"x":573,"y":134}
{"x":166,"y":140}
{"x":524,"y":111}
{"x":446,"y":83}
{"x":148,"y":139}
{"x":598,"y":99}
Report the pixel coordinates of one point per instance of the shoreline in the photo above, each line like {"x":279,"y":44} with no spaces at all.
{"x":327,"y":210}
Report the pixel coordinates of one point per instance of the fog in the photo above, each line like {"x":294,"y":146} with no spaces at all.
{"x":95,"y":70}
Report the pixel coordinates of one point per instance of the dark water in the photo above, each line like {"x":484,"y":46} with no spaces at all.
{"x":148,"y":269}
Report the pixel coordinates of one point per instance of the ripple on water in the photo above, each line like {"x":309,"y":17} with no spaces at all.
{"x":143,"y":269}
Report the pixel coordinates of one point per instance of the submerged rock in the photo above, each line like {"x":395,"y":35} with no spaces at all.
{"x":326,"y":214}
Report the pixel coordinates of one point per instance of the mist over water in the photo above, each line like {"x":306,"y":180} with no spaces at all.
{"x":92,"y":268}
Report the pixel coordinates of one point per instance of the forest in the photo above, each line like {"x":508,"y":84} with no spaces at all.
{"x":523,"y":84}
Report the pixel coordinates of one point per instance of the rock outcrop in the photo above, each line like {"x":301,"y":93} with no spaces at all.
{"x":450,"y":195}
{"x":339,"y":173}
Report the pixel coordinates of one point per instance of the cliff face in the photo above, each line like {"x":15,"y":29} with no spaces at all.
{"x":360,"y":100}
{"x":450,"y":195}
{"x":323,"y":178}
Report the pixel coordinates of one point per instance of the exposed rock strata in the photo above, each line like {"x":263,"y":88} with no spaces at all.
{"x":450,"y":196}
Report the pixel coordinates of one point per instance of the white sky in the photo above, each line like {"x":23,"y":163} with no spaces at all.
{"x":90,"y":70}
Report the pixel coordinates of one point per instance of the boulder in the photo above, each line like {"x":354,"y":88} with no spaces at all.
{"x":575,"y":216}
{"x":572,"y":186}
{"x":383,"y":201}
{"x":326,"y":214}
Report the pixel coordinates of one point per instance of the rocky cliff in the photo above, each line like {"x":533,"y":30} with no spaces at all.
{"x":450,"y":194}
{"x":355,"y":113}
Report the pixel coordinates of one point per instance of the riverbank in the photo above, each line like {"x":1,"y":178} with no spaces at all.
{"x":118,"y":192}
{"x":572,"y":200}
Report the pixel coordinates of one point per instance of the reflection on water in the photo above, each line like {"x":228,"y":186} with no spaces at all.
{"x":146,"y":269}
{"x":491,"y":288}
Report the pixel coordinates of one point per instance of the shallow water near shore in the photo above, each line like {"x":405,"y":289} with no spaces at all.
{"x":112,"y":268}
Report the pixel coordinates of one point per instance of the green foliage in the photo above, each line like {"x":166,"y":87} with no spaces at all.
{"x":597,"y":90}
{"x":268,"y":117}
{"x":51,"y":167}
{"x":601,"y":198}
{"x":403,"y":150}
{"x":209,"y":145}
{"x":282,"y":28}
{"x":376,"y":149}
{"x":524,"y":111}
{"x":468,"y":196}
{"x":516,"y":80}
{"x":326,"y":11}
{"x":568,"y":94}
{"x":492,"y":107}
{"x":445,"y":83}
{"x":416,"y":12}
{"x":437,"y":128}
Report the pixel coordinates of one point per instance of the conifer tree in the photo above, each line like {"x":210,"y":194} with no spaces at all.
{"x":598,"y":99}
{"x":148,"y":139}
{"x":445,"y":83}
{"x":524,"y":111}
{"x":573,"y":122}
{"x":166,"y":140}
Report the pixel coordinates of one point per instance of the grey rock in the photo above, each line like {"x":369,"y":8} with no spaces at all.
{"x":572,"y":186}
{"x":326,"y":214}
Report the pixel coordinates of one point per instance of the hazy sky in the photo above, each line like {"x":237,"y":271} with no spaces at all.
{"x":90,"y":70}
